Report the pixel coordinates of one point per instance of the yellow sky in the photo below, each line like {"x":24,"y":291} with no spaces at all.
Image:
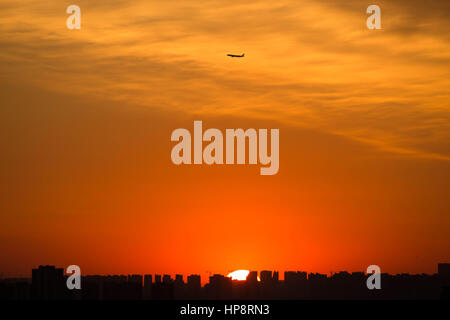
{"x":363,"y":114}
{"x":309,"y":63}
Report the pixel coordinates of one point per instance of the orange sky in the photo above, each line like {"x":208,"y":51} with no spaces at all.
{"x":86,"y":117}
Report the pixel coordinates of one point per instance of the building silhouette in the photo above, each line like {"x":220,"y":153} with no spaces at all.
{"x":194,"y":286}
{"x":49,"y":283}
{"x":147,"y":290}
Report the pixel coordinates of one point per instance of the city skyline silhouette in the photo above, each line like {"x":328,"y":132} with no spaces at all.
{"x":87,"y":115}
{"x":49,"y":283}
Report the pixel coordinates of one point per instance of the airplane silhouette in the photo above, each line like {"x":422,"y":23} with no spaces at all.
{"x":236,"y":55}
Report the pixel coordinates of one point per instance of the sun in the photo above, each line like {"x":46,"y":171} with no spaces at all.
{"x":240,"y":275}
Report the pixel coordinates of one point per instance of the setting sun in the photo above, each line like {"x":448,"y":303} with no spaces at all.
{"x":238,"y":275}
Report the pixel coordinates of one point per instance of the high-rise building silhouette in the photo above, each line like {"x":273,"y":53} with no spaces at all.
{"x":167,"y":279}
{"x":194,"y":286}
{"x":444,"y":271}
{"x":252,"y":276}
{"x":266,"y":276}
{"x":219,"y":287}
{"x":276,"y":276}
{"x":147,"y":291}
{"x":134,"y":286}
{"x":48,"y":283}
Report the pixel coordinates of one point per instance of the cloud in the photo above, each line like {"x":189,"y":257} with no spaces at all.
{"x":309,"y":63}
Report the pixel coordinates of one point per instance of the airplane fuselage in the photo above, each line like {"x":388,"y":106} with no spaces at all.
{"x":236,"y":55}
